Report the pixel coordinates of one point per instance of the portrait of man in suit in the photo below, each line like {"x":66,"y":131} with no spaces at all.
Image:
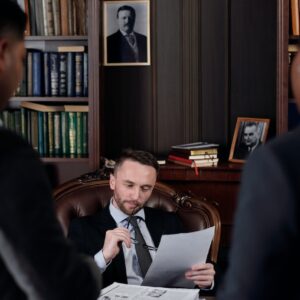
{"x":249,"y":135}
{"x":126,"y":26}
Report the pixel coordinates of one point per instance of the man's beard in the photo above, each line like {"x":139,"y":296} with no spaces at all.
{"x":122,"y":205}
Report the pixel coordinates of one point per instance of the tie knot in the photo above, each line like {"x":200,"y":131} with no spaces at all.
{"x":133,"y":220}
{"x":131,"y":39}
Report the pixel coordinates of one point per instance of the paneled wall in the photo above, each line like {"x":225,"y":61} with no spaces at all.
{"x":212,"y":61}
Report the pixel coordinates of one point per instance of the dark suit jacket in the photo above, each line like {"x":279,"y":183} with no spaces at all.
{"x":88,"y":233}
{"x":118,"y":49}
{"x":266,"y":240}
{"x":242,"y":152}
{"x":36,"y":261}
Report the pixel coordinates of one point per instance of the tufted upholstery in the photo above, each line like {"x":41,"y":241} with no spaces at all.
{"x":79,"y":198}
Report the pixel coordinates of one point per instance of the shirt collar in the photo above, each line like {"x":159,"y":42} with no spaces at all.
{"x":119,"y":216}
{"x":125,"y":33}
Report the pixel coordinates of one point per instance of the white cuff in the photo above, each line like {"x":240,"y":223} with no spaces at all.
{"x":100,"y":261}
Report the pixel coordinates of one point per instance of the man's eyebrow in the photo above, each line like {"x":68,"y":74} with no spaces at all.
{"x":128,"y":181}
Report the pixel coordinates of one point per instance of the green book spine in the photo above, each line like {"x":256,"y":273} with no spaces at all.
{"x":85,"y":139}
{"x":79,"y":128}
{"x":45,"y":134}
{"x":11,"y":120}
{"x":65,"y":134}
{"x":72,"y":133}
{"x":28,"y":125}
{"x":40,"y":133}
{"x":5,"y":118}
{"x":23,"y":123}
{"x":57,"y":134}
{"x":51,"y":134}
{"x":17,"y":114}
{"x":34,"y":130}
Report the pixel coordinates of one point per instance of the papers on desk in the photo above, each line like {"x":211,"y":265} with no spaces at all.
{"x":135,"y":292}
{"x":175,"y":255}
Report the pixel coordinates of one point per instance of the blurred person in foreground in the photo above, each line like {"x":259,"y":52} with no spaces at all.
{"x":266,"y":239}
{"x":36,"y":261}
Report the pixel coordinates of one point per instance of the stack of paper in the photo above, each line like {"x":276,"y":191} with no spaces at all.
{"x":136,"y":292}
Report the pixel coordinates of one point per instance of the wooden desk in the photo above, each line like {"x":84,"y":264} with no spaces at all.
{"x":219,"y":185}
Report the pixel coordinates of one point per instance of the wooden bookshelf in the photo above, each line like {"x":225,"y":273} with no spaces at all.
{"x":57,"y":38}
{"x":66,"y":168}
{"x":51,"y":99}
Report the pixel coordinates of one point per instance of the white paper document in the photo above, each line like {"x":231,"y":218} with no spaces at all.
{"x":175,"y":255}
{"x":120,"y":291}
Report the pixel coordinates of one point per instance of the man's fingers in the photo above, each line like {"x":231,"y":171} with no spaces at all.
{"x":119,"y":235}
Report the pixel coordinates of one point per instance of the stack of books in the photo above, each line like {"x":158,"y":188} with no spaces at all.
{"x":200,"y":154}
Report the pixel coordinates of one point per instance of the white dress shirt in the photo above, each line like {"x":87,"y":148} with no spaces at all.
{"x":133,"y":271}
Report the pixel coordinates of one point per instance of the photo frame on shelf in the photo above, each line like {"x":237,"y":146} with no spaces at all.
{"x":248,"y":135}
{"x":126,"y":32}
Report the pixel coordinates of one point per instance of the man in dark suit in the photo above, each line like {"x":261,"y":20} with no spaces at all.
{"x":36,"y":261}
{"x":109,"y":236}
{"x":266,"y":240}
{"x":126,"y":45}
{"x":250,"y":141}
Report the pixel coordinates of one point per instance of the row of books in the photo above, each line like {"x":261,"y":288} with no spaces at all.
{"x":63,"y":73}
{"x":60,"y":132}
{"x":200,"y":154}
{"x":55,"y":17}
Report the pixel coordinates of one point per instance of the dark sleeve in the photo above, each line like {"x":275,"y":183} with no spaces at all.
{"x":265,"y":242}
{"x":174,"y":224}
{"x":33,"y":247}
{"x":78,"y":236}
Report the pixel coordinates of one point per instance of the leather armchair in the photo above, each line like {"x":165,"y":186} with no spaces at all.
{"x":87,"y":195}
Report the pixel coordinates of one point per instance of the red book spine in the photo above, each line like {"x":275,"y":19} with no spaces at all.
{"x":182,"y":159}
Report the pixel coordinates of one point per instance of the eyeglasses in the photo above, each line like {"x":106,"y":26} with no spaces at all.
{"x":134,"y":241}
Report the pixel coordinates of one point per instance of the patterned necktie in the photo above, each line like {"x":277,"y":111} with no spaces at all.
{"x":142,"y":252}
{"x":131,"y":39}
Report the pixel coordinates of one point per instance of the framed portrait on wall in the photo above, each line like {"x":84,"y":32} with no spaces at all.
{"x":126,"y":33}
{"x":248,"y":135}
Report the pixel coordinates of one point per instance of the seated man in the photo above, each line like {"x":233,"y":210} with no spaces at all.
{"x":122,"y":238}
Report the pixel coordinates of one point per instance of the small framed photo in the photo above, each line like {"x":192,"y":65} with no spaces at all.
{"x":249,"y":134}
{"x":126,"y":33}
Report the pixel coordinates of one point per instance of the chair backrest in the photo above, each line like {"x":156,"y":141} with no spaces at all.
{"x":78,"y":198}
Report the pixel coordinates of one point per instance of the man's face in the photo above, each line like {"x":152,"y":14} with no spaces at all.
{"x":12,"y":55}
{"x":250,"y":136}
{"x":132,"y":185}
{"x":126,"y":21}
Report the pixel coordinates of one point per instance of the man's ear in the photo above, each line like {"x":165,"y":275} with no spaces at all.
{"x":112,"y":181}
{"x":3,"y":49}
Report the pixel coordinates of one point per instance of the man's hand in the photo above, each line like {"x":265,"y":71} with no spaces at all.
{"x":201,"y":274}
{"x":113,"y":239}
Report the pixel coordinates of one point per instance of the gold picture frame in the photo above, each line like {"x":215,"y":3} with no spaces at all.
{"x":126,"y":32}
{"x":248,"y":135}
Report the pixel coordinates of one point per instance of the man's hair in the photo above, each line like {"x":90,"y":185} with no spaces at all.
{"x":250,"y":124}
{"x":142,"y":157}
{"x":12,"y":19}
{"x":127,"y":7}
